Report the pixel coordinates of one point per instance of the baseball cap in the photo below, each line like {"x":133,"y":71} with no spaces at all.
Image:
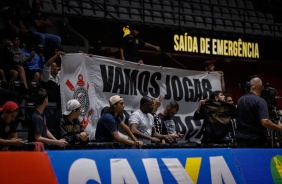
{"x":114,"y":99}
{"x":206,"y":63}
{"x":9,"y":106}
{"x":72,"y":105}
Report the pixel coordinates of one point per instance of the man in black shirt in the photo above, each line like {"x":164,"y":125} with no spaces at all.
{"x":130,"y":46}
{"x":253,"y":117}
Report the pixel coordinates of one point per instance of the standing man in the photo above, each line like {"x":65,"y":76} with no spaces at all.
{"x":38,"y":130}
{"x":70,"y":127}
{"x":142,"y":123}
{"x":107,"y":126}
{"x":131,"y":44}
{"x":8,"y":134}
{"x":217,"y":116}
{"x":209,"y":66}
{"x":168,"y":125}
{"x":50,"y":78}
{"x":253,"y":117}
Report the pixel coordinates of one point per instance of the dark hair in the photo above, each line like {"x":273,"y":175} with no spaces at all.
{"x":214,"y":94}
{"x":145,"y":99}
{"x":39,"y":96}
{"x":173,"y":105}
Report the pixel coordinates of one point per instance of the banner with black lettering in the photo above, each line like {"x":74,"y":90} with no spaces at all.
{"x":94,"y":80}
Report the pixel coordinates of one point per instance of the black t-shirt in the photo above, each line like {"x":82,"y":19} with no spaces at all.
{"x":38,"y":16}
{"x":38,"y":125}
{"x":6,"y":129}
{"x":131,"y":46}
{"x":250,"y":110}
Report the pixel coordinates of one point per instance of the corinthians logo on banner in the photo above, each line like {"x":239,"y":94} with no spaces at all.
{"x":81,"y":94}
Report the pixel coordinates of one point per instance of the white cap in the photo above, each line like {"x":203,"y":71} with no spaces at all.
{"x":114,"y":99}
{"x":72,"y":105}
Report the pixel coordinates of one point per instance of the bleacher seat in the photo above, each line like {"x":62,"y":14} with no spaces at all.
{"x":250,"y":16}
{"x":207,"y":11}
{"x":216,"y":12}
{"x":135,"y":15}
{"x":156,"y":5}
{"x":189,"y":21}
{"x":147,"y":5}
{"x":48,"y":6}
{"x":158,"y":18}
{"x":186,"y":8}
{"x":199,"y":22}
{"x":266,"y":30}
{"x":167,"y":6}
{"x":197,"y":10}
{"x":257,"y":29}
{"x":240,"y":4}
{"x":248,"y":28}
{"x":261,"y":18}
{"x":238,"y":27}
{"x":269,"y":18}
{"x":225,"y":13}
{"x":136,"y":4}
{"x":179,"y":20}
{"x":111,"y":12}
{"x":214,"y":2}
{"x":168,"y":19}
{"x":235,"y":15}
{"x":232,"y":3}
{"x":123,"y":13}
{"x":229,"y":25}
{"x":223,"y":3}
{"x":74,"y":8}
{"x":219,"y":25}
{"x":176,"y":6}
{"x":205,"y":2}
{"x":209,"y":23}
{"x":278,"y":30}
{"x":148,"y":16}
{"x":124,"y":3}
{"x":87,"y":9}
{"x":249,"y":5}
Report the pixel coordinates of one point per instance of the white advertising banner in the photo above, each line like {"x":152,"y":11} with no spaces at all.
{"x":93,"y":80}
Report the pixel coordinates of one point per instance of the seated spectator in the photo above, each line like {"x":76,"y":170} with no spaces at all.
{"x":35,"y":62}
{"x":142,"y":123}
{"x":41,"y":22}
{"x":6,"y":62}
{"x":168,"y":125}
{"x":50,"y":78}
{"x":38,"y":130}
{"x":14,"y":21}
{"x":8,"y":134}
{"x":19,"y":62}
{"x":217,"y":116}
{"x":229,"y":98}
{"x":107,"y":126}
{"x":70,"y":127}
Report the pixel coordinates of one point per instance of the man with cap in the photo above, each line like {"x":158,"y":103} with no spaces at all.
{"x":38,"y":130}
{"x":130,"y":46}
{"x":70,"y":128}
{"x":209,"y":66}
{"x":8,"y":134}
{"x":107,"y":126}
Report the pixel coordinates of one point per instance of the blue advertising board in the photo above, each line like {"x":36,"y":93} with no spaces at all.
{"x":146,"y":166}
{"x":260,"y":165}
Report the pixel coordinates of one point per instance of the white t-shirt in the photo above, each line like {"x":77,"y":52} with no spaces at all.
{"x":145,"y":123}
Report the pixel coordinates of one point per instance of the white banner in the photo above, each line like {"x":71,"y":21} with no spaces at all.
{"x":94,"y":80}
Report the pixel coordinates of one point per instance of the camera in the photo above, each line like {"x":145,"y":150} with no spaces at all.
{"x":269,"y":94}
